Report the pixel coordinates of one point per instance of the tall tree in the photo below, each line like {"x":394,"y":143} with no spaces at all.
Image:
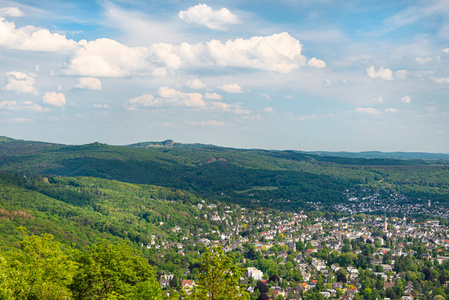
{"x":219,"y":279}
{"x":41,"y":270}
{"x":114,"y":270}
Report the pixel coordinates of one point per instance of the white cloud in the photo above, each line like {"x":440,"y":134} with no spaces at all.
{"x":140,"y":102}
{"x":178,"y":98}
{"x":167,"y":97}
{"x":31,"y":38}
{"x":406,"y":99}
{"x":213,"y":96}
{"x":20,"y":82}
{"x":101,"y":106}
{"x":225,"y":107}
{"x":29,"y":105}
{"x":165,"y":53}
{"x":252,"y":118}
{"x":367,"y":110}
{"x":18,"y":120}
{"x":232,"y":88}
{"x":8,"y":105}
{"x":265,"y":95}
{"x":385,"y":74}
{"x":204,"y":15}
{"x":277,"y":52}
{"x":391,"y":110}
{"x":159,"y":72}
{"x":440,"y":80}
{"x":401,"y":74}
{"x":18,"y":106}
{"x":54,"y":99}
{"x":445,"y":50}
{"x":89,"y":83}
{"x":268,"y":109}
{"x":316,"y":63}
{"x":211,"y":123}
{"x":196,"y":84}
{"x":107,"y":58}
{"x":378,"y":99}
{"x":11,"y":12}
{"x":423,"y":60}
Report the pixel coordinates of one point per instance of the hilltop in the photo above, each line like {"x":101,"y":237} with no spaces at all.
{"x":287,"y":180}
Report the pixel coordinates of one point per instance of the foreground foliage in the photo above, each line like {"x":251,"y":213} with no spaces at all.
{"x":44,"y":269}
{"x":219,"y":279}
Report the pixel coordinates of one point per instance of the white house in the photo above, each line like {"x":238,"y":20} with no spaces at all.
{"x":254,"y":273}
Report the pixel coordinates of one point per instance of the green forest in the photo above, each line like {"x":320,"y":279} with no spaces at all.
{"x":284,"y":180}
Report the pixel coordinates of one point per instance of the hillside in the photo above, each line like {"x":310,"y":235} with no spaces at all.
{"x":286,"y":180}
{"x":82,"y":210}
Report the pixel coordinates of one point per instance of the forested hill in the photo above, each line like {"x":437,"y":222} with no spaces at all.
{"x":389,"y":155}
{"x":287,"y":180}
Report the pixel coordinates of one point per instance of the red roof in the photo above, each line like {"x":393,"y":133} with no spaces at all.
{"x":184,"y":282}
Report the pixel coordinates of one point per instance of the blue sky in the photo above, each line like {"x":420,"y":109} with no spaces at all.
{"x":306,"y":75}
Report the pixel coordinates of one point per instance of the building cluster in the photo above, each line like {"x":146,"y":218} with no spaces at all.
{"x":263,"y":232}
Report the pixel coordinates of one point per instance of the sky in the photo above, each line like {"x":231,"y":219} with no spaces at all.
{"x":330,"y":75}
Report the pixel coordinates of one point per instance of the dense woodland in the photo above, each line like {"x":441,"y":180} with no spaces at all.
{"x":284,"y":180}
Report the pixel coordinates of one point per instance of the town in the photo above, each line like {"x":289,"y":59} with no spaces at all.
{"x":314,"y":255}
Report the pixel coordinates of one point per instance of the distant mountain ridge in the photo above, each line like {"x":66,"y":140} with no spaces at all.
{"x":170,"y":144}
{"x":389,"y":155}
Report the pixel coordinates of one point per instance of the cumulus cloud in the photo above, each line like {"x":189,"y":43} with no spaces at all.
{"x":89,"y":83}
{"x":204,"y":15}
{"x":316,"y":63}
{"x":142,"y":101}
{"x":225,"y":107}
{"x":167,"y":97}
{"x":268,"y":109}
{"x":11,"y":12}
{"x":277,"y":52}
{"x":378,"y":99}
{"x":25,"y":105}
{"x":367,"y":111}
{"x":406,"y":99}
{"x":107,"y":58}
{"x":391,"y":110}
{"x":211,"y":123}
{"x":20,"y":82}
{"x":445,"y":50}
{"x":232,"y":88}
{"x":213,"y":96}
{"x":196,"y":84}
{"x":385,"y":74}
{"x":54,"y":99}
{"x":31,"y":38}
{"x":440,"y":79}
